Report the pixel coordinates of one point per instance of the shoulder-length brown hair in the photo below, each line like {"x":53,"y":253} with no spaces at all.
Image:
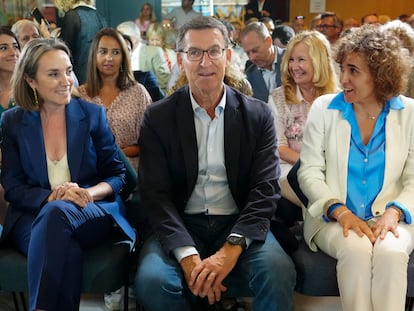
{"x":324,"y":77}
{"x":93,"y":78}
{"x":27,"y":67}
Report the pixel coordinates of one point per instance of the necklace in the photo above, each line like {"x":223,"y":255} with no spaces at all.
{"x":362,"y":113}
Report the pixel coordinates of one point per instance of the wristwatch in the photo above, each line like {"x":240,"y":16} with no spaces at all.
{"x":237,"y":240}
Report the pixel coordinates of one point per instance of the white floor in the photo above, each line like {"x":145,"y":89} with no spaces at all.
{"x":309,"y":303}
{"x":95,"y":303}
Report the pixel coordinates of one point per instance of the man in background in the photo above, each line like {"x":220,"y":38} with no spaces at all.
{"x":263,"y":68}
{"x":181,"y":15}
{"x":259,"y":9}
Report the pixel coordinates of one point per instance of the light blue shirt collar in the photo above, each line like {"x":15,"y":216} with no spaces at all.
{"x":339,"y":103}
{"x":220,"y":107}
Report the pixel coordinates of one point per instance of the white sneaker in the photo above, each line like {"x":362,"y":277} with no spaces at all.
{"x":113,"y":300}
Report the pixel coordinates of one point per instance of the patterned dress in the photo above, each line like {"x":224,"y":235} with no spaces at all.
{"x":124,"y":114}
{"x":290,"y":120}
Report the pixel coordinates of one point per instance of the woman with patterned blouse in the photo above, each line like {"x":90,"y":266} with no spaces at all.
{"x":111,"y":83}
{"x":307,"y":72}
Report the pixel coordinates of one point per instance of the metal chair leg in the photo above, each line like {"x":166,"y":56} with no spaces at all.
{"x":15,"y":302}
{"x":409,"y":302}
{"x":23,"y":300}
{"x":126,"y":298}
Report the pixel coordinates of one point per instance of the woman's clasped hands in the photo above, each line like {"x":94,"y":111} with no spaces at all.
{"x":71,"y":192}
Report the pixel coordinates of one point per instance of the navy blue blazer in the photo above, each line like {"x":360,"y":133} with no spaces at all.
{"x":150,"y":82}
{"x":255,"y":77}
{"x":169,"y":164}
{"x":92,"y":157}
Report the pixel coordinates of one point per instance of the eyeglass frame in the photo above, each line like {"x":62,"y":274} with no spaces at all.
{"x":204,"y":51}
{"x":321,"y":26}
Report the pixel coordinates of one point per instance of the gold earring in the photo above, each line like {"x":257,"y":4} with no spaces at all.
{"x":35,"y":97}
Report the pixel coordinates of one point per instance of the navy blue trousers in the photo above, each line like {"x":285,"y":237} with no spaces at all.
{"x":53,"y":241}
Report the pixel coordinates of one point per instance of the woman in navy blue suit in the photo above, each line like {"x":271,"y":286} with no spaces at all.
{"x":61,"y":174}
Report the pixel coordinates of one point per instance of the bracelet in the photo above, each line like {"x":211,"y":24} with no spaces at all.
{"x":398,"y":211}
{"x":341,"y":214}
{"x":328,"y":204}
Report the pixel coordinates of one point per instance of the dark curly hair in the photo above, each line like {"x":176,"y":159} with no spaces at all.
{"x":383,"y":55}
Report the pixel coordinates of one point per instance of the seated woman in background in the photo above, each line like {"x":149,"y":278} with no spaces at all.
{"x":61,"y":174}
{"x":357,"y":170}
{"x":307,"y":72}
{"x":9,"y":54}
{"x":145,"y":18}
{"x":111,"y":83}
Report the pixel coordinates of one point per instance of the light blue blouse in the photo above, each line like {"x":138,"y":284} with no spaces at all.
{"x":366,"y":163}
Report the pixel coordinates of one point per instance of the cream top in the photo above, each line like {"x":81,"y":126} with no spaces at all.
{"x":58,"y":171}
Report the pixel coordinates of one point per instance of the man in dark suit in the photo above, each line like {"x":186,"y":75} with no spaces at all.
{"x":260,"y":8}
{"x":209,"y":182}
{"x":263,"y":68}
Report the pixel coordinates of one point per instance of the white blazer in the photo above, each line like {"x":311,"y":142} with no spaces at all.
{"x":324,"y":161}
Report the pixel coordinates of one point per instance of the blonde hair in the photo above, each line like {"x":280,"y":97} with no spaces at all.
{"x":324,"y":78}
{"x":153,"y":17}
{"x":156,"y":29}
{"x":66,"y":5}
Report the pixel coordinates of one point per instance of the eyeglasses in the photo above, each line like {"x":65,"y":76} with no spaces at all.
{"x":299,"y":17}
{"x":325,"y":26}
{"x":194,"y":54}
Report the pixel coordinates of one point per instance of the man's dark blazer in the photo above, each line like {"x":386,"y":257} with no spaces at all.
{"x":150,"y":82}
{"x":92,"y":157}
{"x":269,"y":6}
{"x":169,"y":164}
{"x":255,"y":77}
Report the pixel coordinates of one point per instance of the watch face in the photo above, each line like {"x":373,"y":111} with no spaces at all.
{"x":235,"y":240}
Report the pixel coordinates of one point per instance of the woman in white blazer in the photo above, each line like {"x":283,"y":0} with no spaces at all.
{"x":357,"y":170}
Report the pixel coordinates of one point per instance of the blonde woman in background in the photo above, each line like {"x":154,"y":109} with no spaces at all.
{"x":145,"y":19}
{"x":307,"y":72}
